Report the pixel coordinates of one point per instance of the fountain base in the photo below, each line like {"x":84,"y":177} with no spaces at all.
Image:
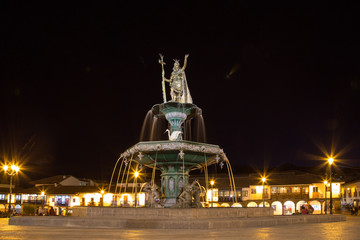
{"x":166,"y":218}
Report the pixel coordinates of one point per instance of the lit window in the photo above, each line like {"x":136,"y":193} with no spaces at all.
{"x":2,"y":196}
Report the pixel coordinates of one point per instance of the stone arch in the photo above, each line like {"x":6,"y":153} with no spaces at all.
{"x":252,"y":204}
{"x":236,"y":205}
{"x":317,"y":206}
{"x":289,"y":208}
{"x":2,"y":207}
{"x":225,"y":205}
{"x":299,"y":204}
{"x":18,"y":208}
{"x":277,"y":206}
{"x":266,"y":204}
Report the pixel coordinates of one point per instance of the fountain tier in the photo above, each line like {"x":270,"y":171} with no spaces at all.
{"x":175,"y":159}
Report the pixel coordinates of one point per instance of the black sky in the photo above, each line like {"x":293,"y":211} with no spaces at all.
{"x":273,"y":80}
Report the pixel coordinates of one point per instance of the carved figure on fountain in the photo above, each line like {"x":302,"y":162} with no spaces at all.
{"x":189,"y":197}
{"x":153,"y":195}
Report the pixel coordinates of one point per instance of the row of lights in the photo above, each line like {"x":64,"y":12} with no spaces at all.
{"x":330,"y":161}
{"x":14,"y":169}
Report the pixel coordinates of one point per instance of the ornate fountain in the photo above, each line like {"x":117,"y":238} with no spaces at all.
{"x":175,"y":157}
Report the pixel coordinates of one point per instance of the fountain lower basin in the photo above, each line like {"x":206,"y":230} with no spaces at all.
{"x":175,"y":159}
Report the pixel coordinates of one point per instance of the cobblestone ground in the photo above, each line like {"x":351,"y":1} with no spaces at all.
{"x":349,"y":229}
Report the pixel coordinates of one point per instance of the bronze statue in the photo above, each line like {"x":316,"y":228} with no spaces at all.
{"x":179,"y":90}
{"x":153,"y":198}
{"x":190,"y":197}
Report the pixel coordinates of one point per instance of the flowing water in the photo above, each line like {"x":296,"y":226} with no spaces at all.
{"x":153,"y":129}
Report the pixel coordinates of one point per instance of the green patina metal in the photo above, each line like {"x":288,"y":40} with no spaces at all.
{"x":174,"y":158}
{"x":176,"y":113}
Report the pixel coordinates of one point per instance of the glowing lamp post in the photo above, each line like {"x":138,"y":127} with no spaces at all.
{"x":212,"y":182}
{"x":102,"y":197}
{"x":42,"y":198}
{"x":330,"y":161}
{"x":11,"y":171}
{"x":136,"y":175}
{"x":263,"y":180}
{"x":325,"y":183}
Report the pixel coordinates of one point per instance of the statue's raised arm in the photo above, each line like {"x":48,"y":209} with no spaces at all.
{"x":185,"y":62}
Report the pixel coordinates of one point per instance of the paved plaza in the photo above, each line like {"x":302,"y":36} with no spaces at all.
{"x":349,"y":229}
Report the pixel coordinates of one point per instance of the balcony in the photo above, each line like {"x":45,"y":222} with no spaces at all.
{"x":316,"y":195}
{"x":289,"y":196}
{"x":229,"y":199}
{"x":36,"y":202}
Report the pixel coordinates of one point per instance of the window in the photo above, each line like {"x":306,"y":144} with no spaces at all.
{"x":221,"y":193}
{"x":245,"y":193}
{"x":226,"y":194}
{"x":62,"y":200}
{"x":315,"y":189}
{"x":296,"y":189}
{"x":355,"y":193}
{"x":274,"y":190}
{"x":238,"y":193}
{"x":253,"y":191}
{"x":18,"y":197}
{"x":2,"y":196}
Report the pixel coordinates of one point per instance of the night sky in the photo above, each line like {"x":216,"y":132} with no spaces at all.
{"x":275,"y":81}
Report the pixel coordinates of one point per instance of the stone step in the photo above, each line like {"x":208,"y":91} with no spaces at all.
{"x":169,"y":213}
{"x":212,"y":223}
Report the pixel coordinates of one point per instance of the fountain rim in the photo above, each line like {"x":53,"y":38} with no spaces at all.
{"x":190,"y":146}
{"x":192,"y":108}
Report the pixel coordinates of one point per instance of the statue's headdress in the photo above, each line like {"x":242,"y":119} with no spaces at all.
{"x":176,"y":61}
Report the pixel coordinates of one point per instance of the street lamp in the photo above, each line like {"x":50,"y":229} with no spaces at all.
{"x":102,"y":197}
{"x":263,"y":180}
{"x":11,"y":171}
{"x":325,"y":183}
{"x":330,"y":161}
{"x":212,"y":182}
{"x":136,"y":175}
{"x":42,"y":197}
